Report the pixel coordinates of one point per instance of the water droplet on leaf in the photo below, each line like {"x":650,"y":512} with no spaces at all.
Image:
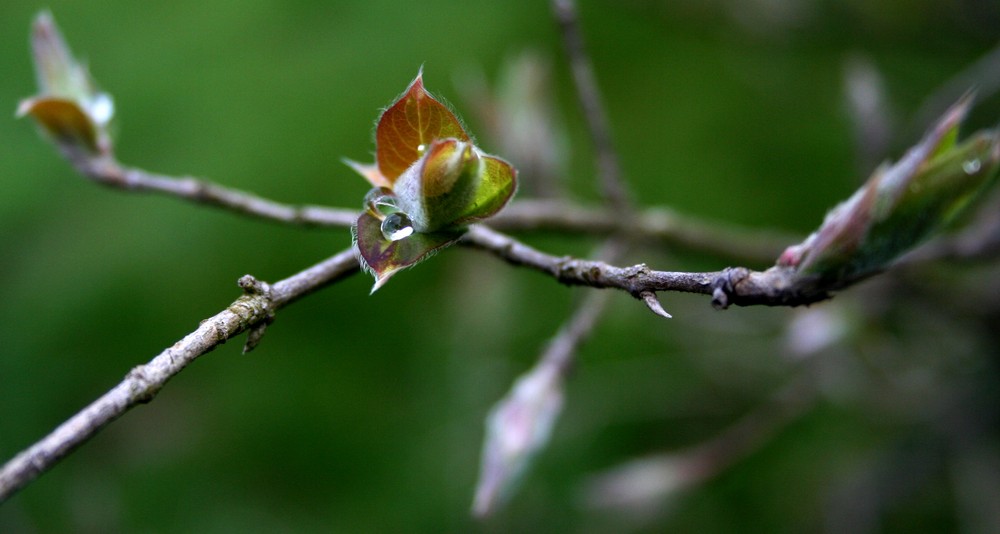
{"x":972,"y":166}
{"x":397,"y":226}
{"x":380,"y":202}
{"x":421,"y":149}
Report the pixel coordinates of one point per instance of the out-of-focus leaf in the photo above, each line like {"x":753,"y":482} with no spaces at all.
{"x":69,"y":106}
{"x":901,"y":205}
{"x":385,"y":257}
{"x":517,"y":429}
{"x":935,"y":197}
{"x":520,"y":114}
{"x":409,"y":126}
{"x":57,"y":72}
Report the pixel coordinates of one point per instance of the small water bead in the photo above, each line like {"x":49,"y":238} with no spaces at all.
{"x":380,"y":201}
{"x":972,"y":166}
{"x":421,"y":149}
{"x":397,"y":226}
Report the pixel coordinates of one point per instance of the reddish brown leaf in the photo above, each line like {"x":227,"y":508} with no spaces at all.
{"x":385,"y":258}
{"x":409,"y":125}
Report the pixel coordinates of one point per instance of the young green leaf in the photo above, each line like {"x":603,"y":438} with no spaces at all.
{"x":495,"y":187}
{"x":901,"y":205}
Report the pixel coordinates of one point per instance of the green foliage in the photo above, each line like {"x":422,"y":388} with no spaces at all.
{"x":430,"y":180}
{"x":901,"y":205}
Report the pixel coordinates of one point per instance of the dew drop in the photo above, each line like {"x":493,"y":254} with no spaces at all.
{"x":421,"y":148}
{"x":972,"y":166}
{"x":396,"y":226}
{"x":380,"y":201}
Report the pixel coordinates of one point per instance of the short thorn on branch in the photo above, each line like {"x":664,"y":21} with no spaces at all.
{"x":653,"y":303}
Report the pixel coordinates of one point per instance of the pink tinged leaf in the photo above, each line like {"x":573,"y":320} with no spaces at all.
{"x":902,"y":205}
{"x":841,"y":233}
{"x":409,"y":126}
{"x":845,"y":228}
{"x":56,"y":70}
{"x":517,"y":429}
{"x":896,"y":180}
{"x":69,"y":106}
{"x":384,"y":257}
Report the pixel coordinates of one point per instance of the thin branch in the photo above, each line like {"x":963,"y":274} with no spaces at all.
{"x":659,"y":224}
{"x":732,"y":286}
{"x":109,"y":172}
{"x":561,"y":351}
{"x":737,"y":286}
{"x":662,"y":475}
{"x":608,"y":168}
{"x":142,"y":383}
{"x":520,"y":424}
{"x":777,"y":286}
{"x":652,"y":224}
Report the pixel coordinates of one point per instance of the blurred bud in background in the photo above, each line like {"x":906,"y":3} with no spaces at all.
{"x":518,"y":427}
{"x":69,"y":106}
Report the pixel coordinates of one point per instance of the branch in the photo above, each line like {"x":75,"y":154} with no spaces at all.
{"x":774,"y":287}
{"x":608,"y":168}
{"x":651,"y":224}
{"x":652,"y":480}
{"x":777,"y":286}
{"x":745,"y":287}
{"x":105,"y":170}
{"x":519,"y":425}
{"x":252,"y":311}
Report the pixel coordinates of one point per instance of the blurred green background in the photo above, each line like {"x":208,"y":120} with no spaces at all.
{"x":364,"y":413}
